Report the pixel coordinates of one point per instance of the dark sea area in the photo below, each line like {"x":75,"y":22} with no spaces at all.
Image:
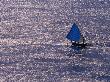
{"x":33,"y":44}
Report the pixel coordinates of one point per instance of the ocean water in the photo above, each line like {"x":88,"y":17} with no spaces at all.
{"x":47,"y":63}
{"x":33,"y":47}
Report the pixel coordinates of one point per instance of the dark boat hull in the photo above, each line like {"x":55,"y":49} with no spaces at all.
{"x":80,"y":45}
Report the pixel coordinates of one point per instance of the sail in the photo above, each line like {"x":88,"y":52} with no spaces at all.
{"x":74,"y":34}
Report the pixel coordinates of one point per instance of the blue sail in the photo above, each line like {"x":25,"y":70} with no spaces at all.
{"x":74,"y":34}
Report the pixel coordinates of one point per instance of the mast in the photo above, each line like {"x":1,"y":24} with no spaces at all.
{"x":83,"y":40}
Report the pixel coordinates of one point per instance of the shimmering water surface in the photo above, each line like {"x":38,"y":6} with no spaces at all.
{"x":47,"y":63}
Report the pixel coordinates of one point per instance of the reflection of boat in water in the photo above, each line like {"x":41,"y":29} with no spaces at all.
{"x":76,"y":38}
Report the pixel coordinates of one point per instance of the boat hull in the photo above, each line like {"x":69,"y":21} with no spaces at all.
{"x":80,"y":45}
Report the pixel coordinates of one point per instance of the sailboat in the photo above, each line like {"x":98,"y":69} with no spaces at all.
{"x":76,"y":38}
